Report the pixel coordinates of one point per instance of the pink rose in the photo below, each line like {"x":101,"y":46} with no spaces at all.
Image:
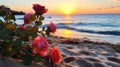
{"x":23,"y":27}
{"x":39,"y":9}
{"x":52,"y":27}
{"x":27,"y":18}
{"x":40,"y":46}
{"x":55,"y":55}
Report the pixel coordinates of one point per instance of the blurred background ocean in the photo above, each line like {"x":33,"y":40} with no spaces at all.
{"x":98,"y":27}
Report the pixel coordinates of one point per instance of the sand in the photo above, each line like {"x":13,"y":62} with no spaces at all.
{"x":87,"y":53}
{"x":78,"y":53}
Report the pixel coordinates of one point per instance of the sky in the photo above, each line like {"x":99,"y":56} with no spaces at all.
{"x":67,"y":6}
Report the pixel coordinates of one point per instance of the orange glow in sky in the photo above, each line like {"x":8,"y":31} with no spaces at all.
{"x":67,"y":9}
{"x":66,"y":6}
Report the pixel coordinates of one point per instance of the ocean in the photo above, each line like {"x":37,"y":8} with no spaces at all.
{"x":98,"y":27}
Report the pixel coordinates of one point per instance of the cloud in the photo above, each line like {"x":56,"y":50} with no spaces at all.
{"x":109,"y":7}
{"x":115,"y":0}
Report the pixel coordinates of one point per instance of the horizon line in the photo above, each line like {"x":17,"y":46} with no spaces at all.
{"x":81,"y":13}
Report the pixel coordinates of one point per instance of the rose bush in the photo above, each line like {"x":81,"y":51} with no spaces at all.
{"x":13,"y":37}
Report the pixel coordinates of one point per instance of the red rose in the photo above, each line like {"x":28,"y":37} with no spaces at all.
{"x":27,"y":18}
{"x":52,"y":27}
{"x":55,"y":55}
{"x":39,"y":9}
{"x":40,"y":46}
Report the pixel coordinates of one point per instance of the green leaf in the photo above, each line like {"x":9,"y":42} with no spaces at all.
{"x":29,"y":28}
{"x":16,"y":49}
{"x":35,"y":28}
{"x":38,"y":23}
{"x":11,"y":25}
{"x":1,"y":21}
{"x":11,"y":22}
{"x":7,"y":31}
{"x":37,"y":58}
{"x":27,"y":59}
{"x":5,"y":35}
{"x":17,"y":42}
{"x":17,"y":32}
{"x":33,"y":17}
{"x":2,"y":34}
{"x":10,"y":16}
{"x":2,"y":12}
{"x":28,"y":50}
{"x":48,"y":32}
{"x":2,"y":24}
{"x":5,"y":51}
{"x":8,"y":39}
{"x":41,"y":18}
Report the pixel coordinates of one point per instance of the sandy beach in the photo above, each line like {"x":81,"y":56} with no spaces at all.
{"x":78,"y":53}
{"x":86,"y":53}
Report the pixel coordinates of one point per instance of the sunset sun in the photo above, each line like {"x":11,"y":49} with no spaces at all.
{"x":67,"y":9}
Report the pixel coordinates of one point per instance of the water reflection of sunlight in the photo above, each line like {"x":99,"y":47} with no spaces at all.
{"x":67,"y":33}
{"x":68,"y":19}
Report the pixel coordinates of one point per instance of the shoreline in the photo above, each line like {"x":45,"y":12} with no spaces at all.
{"x":84,"y":40}
{"x":64,"y":40}
{"x":65,"y":33}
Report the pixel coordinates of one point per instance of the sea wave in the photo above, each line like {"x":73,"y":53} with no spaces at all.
{"x":66,"y":26}
{"x":107,"y":24}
